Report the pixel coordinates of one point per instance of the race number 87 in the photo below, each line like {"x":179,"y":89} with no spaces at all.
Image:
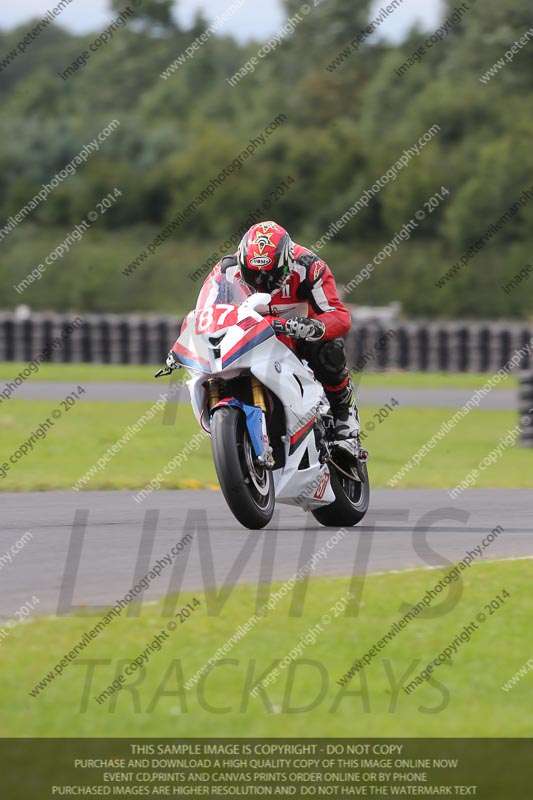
{"x":213,"y":317}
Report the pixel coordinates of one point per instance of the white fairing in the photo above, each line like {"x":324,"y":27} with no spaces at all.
{"x":233,"y":350}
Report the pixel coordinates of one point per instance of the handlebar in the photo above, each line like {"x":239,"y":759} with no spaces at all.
{"x":278,"y":326}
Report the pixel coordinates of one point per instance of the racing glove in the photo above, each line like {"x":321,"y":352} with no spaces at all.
{"x":305,"y":328}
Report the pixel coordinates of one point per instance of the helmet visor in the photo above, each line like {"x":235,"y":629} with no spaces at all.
{"x":262,"y":280}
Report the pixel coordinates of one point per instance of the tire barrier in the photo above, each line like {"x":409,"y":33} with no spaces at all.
{"x":438,"y":347}
{"x":525,"y":408}
{"x":99,"y":339}
{"x":371,"y":346}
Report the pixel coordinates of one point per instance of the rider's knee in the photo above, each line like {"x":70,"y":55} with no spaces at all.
{"x":332,"y":357}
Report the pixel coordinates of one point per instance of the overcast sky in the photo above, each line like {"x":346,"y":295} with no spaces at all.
{"x":90,"y":15}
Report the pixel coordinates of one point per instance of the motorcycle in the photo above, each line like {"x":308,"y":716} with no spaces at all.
{"x":272,"y":432}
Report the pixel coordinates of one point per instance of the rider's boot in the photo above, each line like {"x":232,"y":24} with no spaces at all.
{"x":346,"y":416}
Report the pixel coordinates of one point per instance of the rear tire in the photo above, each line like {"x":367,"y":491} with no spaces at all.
{"x":351,"y":502}
{"x":247,"y":487}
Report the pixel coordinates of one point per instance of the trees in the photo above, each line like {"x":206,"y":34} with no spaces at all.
{"x":344,"y":129}
{"x":155,"y":17}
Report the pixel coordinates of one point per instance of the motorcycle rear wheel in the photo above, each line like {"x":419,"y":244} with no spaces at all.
{"x":247,"y":487}
{"x":352,"y":499}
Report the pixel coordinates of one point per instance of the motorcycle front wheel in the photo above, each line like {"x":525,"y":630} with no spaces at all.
{"x":247,"y":487}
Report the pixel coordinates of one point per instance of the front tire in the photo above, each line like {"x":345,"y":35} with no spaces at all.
{"x":352,"y":498}
{"x":247,"y":487}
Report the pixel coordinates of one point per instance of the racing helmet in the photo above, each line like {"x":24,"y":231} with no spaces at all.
{"x":265,"y":256}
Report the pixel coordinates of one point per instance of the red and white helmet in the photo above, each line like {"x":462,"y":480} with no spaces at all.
{"x":265,"y":256}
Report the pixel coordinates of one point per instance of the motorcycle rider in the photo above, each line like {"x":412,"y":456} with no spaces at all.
{"x":305,"y":307}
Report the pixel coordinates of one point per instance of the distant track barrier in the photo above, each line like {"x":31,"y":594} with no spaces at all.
{"x":408,"y":345}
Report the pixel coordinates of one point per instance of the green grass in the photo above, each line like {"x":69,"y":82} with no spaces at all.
{"x":430,"y":380}
{"x":100,"y":373}
{"x":84,"y":434}
{"x":463,"y":699}
{"x":145,"y":373}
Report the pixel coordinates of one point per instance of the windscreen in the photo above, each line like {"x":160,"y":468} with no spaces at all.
{"x":217,"y":289}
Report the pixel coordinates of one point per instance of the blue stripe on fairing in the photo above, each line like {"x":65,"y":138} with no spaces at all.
{"x":259,"y":339}
{"x":191,"y":362}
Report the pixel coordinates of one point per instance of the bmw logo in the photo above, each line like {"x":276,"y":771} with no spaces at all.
{"x":277,"y":366}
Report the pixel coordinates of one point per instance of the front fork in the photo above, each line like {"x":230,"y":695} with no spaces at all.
{"x":213,"y":392}
{"x":266,"y":458}
{"x":258,"y":394}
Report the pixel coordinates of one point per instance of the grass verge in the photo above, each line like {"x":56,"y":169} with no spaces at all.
{"x":102,"y":373}
{"x":83,"y":435}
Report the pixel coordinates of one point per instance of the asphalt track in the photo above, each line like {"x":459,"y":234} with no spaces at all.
{"x":115,"y":541}
{"x":503,"y":399}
